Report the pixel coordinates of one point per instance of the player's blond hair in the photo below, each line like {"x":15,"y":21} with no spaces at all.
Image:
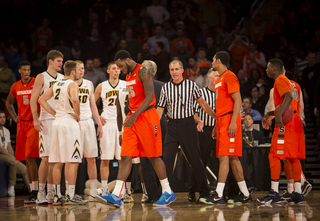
{"x":69,"y":66}
{"x":151,"y":66}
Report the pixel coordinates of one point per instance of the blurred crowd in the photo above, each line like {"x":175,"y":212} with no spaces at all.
{"x":189,"y":30}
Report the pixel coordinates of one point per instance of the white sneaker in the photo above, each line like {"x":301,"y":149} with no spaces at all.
{"x":75,"y":200}
{"x":127,"y":198}
{"x":92,"y":199}
{"x":101,"y":191}
{"x":11,"y":191}
{"x":144,"y":198}
{"x":49,"y":197}
{"x":41,"y":198}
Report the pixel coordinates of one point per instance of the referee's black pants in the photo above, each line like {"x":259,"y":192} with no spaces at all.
{"x":183,"y":132}
{"x":207,"y":145}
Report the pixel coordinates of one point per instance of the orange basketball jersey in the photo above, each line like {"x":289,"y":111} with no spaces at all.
{"x":22,"y":92}
{"x":226,"y":84}
{"x":296,"y":93}
{"x":136,"y":90}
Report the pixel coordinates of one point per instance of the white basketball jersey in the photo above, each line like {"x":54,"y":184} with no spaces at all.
{"x":123,"y":99}
{"x":62,"y":100}
{"x":48,"y":81}
{"x":109,"y":96}
{"x":84,"y":98}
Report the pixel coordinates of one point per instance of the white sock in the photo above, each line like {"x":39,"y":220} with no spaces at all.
{"x":219,"y":189}
{"x":58,"y":191}
{"x":34,"y":185}
{"x":118,"y":188}
{"x":128,"y":187}
{"x":290,"y":187}
{"x":104,"y":184}
{"x":275,"y":186}
{"x":71,"y":190}
{"x":67,"y":188}
{"x":50,"y":188}
{"x":165,"y":186}
{"x":42,"y":187}
{"x":302,"y":179}
{"x":297,"y":187}
{"x":243,"y":188}
{"x":93,"y":187}
{"x":144,"y":190}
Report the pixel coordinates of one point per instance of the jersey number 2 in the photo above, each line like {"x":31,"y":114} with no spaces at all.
{"x":57,"y":94}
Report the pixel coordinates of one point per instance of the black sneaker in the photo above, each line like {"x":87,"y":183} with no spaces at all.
{"x":306,"y":188}
{"x":272,"y":197}
{"x":214,"y":199}
{"x":241,"y":199}
{"x":192,"y":197}
{"x":296,"y":198}
{"x":32,"y":198}
{"x":252,"y":189}
{"x":286,"y":195}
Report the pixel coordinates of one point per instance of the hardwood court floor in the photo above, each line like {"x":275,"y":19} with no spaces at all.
{"x":13,"y":209}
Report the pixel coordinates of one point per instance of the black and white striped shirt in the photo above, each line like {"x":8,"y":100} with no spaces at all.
{"x":208,"y":96}
{"x":179,"y":98}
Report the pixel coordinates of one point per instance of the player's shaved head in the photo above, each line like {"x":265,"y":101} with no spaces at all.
{"x":277,"y":63}
{"x":122,"y":55}
{"x":223,"y":56}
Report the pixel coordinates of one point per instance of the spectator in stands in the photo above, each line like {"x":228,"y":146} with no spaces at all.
{"x":145,"y":32}
{"x":4,"y":51}
{"x":95,"y":76}
{"x":79,"y":30}
{"x":168,"y":31}
{"x":238,"y":49}
{"x":238,"y":31}
{"x":161,"y":60}
{"x":182,"y":53}
{"x":188,"y":46}
{"x":257,"y":30}
{"x":97,"y":65}
{"x":64,"y":49}
{"x":158,"y":37}
{"x":203,"y":81}
{"x":254,"y":60}
{"x":14,"y":59}
{"x":158,"y":13}
{"x":193,"y":71}
{"x":246,"y":106}
{"x":210,"y":49}
{"x":245,"y":86}
{"x":130,"y":20}
{"x":7,"y":156}
{"x":201,"y":56}
{"x":76,"y":50}
{"x":249,"y":134}
{"x":203,"y":34}
{"x":43,"y":37}
{"x":258,"y":103}
{"x":301,"y":63}
{"x":212,"y":12}
{"x":5,"y":78}
{"x":133,"y":45}
{"x":94,"y":47}
{"x":255,"y":76}
{"x":145,"y":54}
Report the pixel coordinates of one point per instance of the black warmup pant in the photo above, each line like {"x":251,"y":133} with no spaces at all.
{"x":183,"y":132}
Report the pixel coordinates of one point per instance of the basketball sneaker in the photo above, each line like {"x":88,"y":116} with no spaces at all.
{"x":144,"y":198}
{"x":272,"y":197}
{"x":296,"y":198}
{"x":286,"y":195}
{"x":127,"y":198}
{"x":306,"y":188}
{"x":240,"y":199}
{"x":192,"y":197}
{"x":165,"y":199}
{"x":214,"y":199}
{"x":32,"y":198}
{"x":109,"y":199}
{"x":75,"y":200}
{"x":41,"y":198}
{"x":49,"y":197}
{"x":57,"y":201}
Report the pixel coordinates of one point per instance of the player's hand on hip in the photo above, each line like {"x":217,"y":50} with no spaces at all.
{"x":103,"y":121}
{"x":37,"y":125}
{"x":129,"y":121}
{"x":99,"y":133}
{"x":232,"y":129}
{"x":214,"y":133}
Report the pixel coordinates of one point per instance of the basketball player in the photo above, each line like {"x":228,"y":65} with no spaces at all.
{"x":287,"y":140}
{"x":27,"y":146}
{"x":109,"y":144}
{"x":227,"y":131}
{"x":142,"y":134}
{"x":43,"y":124}
{"x":65,"y":146}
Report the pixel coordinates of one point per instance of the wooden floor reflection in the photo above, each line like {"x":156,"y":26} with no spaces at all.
{"x":13,"y":209}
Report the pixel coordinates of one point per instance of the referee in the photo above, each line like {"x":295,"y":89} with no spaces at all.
{"x":205,"y":126}
{"x":178,"y":95}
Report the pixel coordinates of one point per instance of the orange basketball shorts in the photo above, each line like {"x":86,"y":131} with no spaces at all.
{"x":27,"y":141}
{"x":227,"y":145}
{"x":143,"y":138}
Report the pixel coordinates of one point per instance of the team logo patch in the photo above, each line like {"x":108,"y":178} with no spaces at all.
{"x":281,"y":129}
{"x":76,"y":153}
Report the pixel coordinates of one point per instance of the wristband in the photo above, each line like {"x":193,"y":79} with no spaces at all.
{"x":120,"y":133}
